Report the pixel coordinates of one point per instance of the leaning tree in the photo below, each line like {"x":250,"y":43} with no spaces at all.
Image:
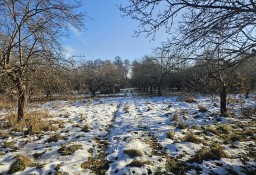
{"x":226,"y":28}
{"x":30,"y":36}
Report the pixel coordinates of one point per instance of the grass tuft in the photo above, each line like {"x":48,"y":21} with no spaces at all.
{"x":212,"y":130}
{"x":224,"y":129}
{"x":181,"y":125}
{"x":66,"y":150}
{"x":133,"y":153}
{"x":86,"y":128}
{"x":175,"y":117}
{"x":249,"y":132}
{"x":215,"y":152}
{"x":170,"y":135}
{"x":138,"y":163}
{"x":202,"y":109}
{"x":174,"y":166}
{"x":192,"y":138}
{"x":98,"y":166}
{"x":20,"y":164}
{"x":56,"y":138}
{"x":189,"y":99}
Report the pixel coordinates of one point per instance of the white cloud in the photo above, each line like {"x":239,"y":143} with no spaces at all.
{"x":69,"y":51}
{"x":75,"y":31}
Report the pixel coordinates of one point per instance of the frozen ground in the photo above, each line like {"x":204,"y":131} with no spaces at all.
{"x":136,"y":135}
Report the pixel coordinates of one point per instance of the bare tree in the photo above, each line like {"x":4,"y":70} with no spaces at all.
{"x":99,"y":74}
{"x":225,"y":28}
{"x":30,"y":35}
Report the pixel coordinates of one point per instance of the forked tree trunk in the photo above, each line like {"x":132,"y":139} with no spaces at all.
{"x":223,"y":100}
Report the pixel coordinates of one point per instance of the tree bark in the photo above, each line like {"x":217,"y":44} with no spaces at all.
{"x":223,"y":100}
{"x":22,"y":100}
{"x":159,"y":90}
{"x":151,"y":89}
{"x":93,"y":93}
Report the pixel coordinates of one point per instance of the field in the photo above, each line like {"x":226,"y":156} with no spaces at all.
{"x":131,"y":135}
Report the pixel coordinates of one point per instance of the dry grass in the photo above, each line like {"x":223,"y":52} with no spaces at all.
{"x":126,"y":109}
{"x":86,"y":128}
{"x":9,"y":145}
{"x":69,"y":149}
{"x":5,"y":103}
{"x":56,"y":138}
{"x":202,"y":109}
{"x":170,"y":135}
{"x":196,"y":127}
{"x":175,"y":117}
{"x":249,"y":112}
{"x":181,"y":125}
{"x":20,"y":164}
{"x":249,"y":132}
{"x":33,"y":123}
{"x":174,"y":166}
{"x":189,"y":99}
{"x":224,"y":129}
{"x":133,"y":153}
{"x":98,"y":166}
{"x":192,"y":138}
{"x":212,"y":130}
{"x":38,"y":155}
{"x":215,"y":152}
{"x":138,"y":163}
{"x":169,"y":106}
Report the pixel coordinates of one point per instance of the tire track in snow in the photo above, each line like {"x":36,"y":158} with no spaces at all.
{"x":130,"y":150}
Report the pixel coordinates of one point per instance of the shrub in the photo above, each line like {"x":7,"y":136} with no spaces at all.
{"x":133,"y":153}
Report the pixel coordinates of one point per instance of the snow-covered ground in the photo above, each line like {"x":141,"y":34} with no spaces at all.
{"x":136,"y":135}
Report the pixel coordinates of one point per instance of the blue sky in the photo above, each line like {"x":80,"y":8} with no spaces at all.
{"x":108,"y":34}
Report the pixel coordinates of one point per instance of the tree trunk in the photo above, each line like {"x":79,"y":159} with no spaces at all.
{"x":93,"y":93}
{"x":151,"y":89}
{"x":223,"y":100}
{"x":247,"y":91}
{"x":22,"y":100}
{"x":159,"y":90}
